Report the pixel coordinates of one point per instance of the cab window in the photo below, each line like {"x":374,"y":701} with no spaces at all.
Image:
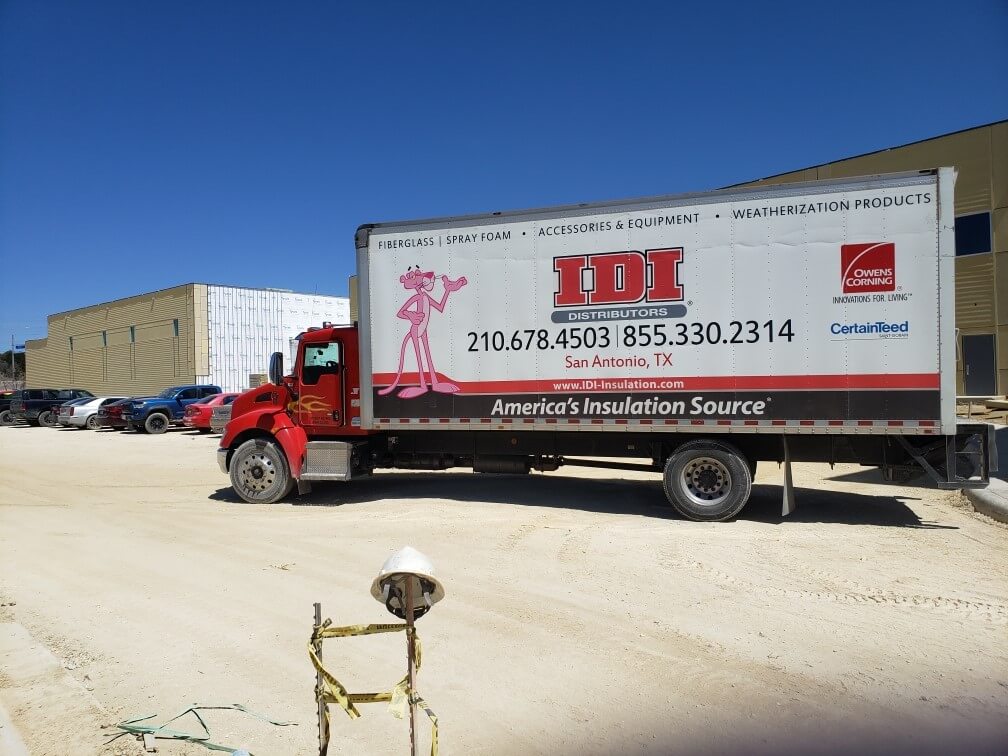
{"x":321,"y":359}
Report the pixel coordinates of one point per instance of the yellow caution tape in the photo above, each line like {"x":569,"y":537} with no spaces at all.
{"x":399,"y":698}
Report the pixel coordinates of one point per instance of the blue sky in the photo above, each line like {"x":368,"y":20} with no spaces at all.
{"x":144,"y":145}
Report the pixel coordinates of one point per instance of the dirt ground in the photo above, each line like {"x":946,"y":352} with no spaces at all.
{"x":582,"y":616}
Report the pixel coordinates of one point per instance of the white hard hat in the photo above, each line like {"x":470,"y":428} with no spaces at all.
{"x":390,"y":586}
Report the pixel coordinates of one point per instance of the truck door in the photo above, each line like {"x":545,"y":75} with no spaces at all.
{"x":320,"y":405}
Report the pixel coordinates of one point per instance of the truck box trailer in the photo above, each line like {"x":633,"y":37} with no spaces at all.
{"x":701,"y":333}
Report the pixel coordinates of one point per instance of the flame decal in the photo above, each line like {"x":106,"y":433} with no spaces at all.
{"x":312,"y":403}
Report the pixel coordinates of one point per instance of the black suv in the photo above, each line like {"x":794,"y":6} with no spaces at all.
{"x":36,"y":406}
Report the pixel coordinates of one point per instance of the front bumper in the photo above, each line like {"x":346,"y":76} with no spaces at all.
{"x":222,"y":459}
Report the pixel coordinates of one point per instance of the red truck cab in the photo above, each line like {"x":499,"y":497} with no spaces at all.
{"x":264,"y":445}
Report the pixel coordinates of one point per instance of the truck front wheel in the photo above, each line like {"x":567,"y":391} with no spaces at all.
{"x":6,"y":418}
{"x":259,"y":472}
{"x":48,"y":419}
{"x":707,"y":480}
{"x":155,"y":423}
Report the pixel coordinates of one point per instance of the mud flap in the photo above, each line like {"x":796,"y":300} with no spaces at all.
{"x":788,"y":502}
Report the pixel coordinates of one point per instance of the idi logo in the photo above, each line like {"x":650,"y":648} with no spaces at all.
{"x":618,"y":278}
{"x":868,"y":267}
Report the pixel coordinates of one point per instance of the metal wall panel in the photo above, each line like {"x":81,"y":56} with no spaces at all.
{"x":974,"y":293}
{"x":201,"y":332}
{"x":119,"y":369}
{"x":87,"y":366}
{"x":104,"y":360}
{"x":245,"y":326}
{"x":46,"y":365}
{"x":999,"y":171}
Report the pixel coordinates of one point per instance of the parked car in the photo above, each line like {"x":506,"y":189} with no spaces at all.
{"x":64,"y":410}
{"x":198,"y":414}
{"x":154,"y":414}
{"x":35,"y":406}
{"x":6,"y":418}
{"x":111,"y":415}
{"x":85,"y":413}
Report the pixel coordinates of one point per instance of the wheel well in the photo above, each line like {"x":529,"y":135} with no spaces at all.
{"x":752,"y":448}
{"x":244,"y":436}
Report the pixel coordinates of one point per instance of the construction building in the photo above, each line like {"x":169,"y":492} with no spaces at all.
{"x":194,"y":333}
{"x":980,"y":157}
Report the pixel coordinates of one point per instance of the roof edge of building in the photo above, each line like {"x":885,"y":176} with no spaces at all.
{"x":75,"y":310}
{"x":866,"y":154}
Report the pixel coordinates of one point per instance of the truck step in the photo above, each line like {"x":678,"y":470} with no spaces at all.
{"x":327,"y":460}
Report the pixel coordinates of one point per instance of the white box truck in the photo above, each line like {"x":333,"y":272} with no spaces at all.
{"x":703,"y":333}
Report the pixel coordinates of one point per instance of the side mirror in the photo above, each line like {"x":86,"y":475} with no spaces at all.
{"x":276,"y":368}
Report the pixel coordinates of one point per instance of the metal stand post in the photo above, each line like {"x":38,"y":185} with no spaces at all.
{"x":323,"y":730}
{"x":410,"y":647}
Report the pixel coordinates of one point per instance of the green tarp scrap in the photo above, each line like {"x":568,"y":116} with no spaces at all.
{"x":133,"y":727}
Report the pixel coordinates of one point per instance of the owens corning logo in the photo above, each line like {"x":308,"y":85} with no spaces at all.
{"x":868,"y":267}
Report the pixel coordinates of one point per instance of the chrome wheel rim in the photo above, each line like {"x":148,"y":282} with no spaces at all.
{"x":706,"y":481}
{"x":256,"y":472}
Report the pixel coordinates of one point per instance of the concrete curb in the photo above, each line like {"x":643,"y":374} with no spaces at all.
{"x":991,"y":501}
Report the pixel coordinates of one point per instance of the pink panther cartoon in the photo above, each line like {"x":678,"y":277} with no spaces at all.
{"x":422,"y":283}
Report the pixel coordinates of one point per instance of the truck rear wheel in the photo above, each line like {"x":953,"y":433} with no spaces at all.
{"x":6,"y":418}
{"x":155,"y":423}
{"x":48,"y":419}
{"x":707,"y":480}
{"x":259,"y":472}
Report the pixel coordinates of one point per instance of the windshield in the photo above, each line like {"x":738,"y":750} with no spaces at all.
{"x":168,"y":393}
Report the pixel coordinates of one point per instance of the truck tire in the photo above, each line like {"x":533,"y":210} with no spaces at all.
{"x":48,"y":419}
{"x":707,"y":480}
{"x":155,"y":423}
{"x":6,"y":418}
{"x":92,"y":422}
{"x":259,"y":472}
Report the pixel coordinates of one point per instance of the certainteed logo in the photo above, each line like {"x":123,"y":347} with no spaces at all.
{"x":868,"y":267}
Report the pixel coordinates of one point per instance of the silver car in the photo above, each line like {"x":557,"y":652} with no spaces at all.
{"x":63,"y":411}
{"x":85,"y":415}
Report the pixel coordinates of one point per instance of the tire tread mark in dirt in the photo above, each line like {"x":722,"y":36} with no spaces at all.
{"x":995,"y":613}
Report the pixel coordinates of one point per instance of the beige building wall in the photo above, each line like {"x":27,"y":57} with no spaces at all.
{"x":133,"y":346}
{"x":980,"y":157}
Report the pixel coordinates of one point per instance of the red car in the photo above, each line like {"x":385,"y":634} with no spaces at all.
{"x":197,"y":414}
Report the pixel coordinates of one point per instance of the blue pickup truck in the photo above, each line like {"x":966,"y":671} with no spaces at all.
{"x":154,"y":414}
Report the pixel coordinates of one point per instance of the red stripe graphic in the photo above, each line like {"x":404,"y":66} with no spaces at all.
{"x":697,"y":383}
